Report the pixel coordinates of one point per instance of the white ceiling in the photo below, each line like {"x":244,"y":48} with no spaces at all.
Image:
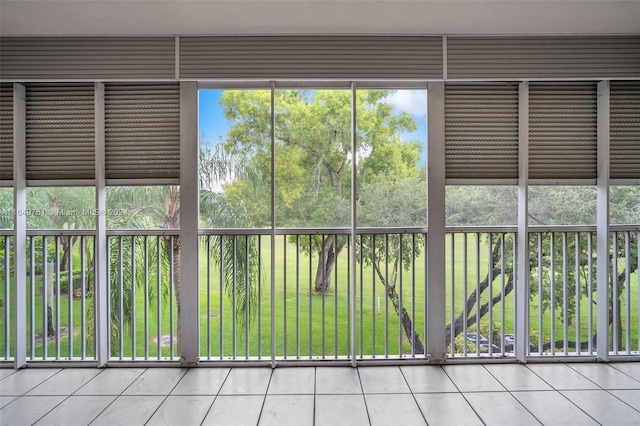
{"x":478,"y":17}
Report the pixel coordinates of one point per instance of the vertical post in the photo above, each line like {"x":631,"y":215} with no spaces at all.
{"x":188,"y":315}
{"x":273,"y":223}
{"x":602,"y":223}
{"x":19,"y":226}
{"x":522,"y":282}
{"x":436,"y":345}
{"x":353,"y":254}
{"x":101,"y":313}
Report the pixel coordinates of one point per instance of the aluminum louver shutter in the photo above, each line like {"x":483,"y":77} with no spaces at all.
{"x":625,"y":129}
{"x":6,"y":131}
{"x":312,"y":57}
{"x":543,"y":57}
{"x":142,"y":131}
{"x":60,"y":131}
{"x":563,"y":130}
{"x":53,"y":58}
{"x":481,"y":131}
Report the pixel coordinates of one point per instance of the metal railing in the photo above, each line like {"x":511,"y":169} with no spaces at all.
{"x":311,"y":299}
{"x":60,"y":295}
{"x":143,"y":271}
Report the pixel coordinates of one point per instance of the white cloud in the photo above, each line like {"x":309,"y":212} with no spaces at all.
{"x":412,"y":101}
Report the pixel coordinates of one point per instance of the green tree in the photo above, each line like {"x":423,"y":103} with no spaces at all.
{"x":313,"y":157}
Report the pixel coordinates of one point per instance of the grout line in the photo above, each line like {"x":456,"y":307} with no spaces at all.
{"x":413,"y":395}
{"x":366,"y":407}
{"x":215,"y":397}
{"x":265,"y":395}
{"x":116,"y":397}
{"x":513,"y":396}
{"x":462,"y":394}
{"x":166,"y":396}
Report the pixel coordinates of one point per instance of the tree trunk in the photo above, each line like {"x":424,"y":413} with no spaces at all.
{"x":327,"y":256}
{"x":66,"y":252}
{"x":407,"y":323}
{"x":177,"y":284}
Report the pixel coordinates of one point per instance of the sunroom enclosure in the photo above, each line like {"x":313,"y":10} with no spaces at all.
{"x":191,"y":288}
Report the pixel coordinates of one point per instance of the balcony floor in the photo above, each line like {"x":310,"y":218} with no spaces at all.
{"x":492,"y":394}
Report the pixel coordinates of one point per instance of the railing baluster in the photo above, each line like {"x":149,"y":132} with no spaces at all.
{"x":221,"y":285}
{"x":322,"y":278}
{"x":284,"y":294}
{"x":400,"y":310}
{"x":335,"y":303}
{"x":260,"y":296}
{"x":7,"y":298}
{"x":477,"y":295}
{"x":465,"y":283}
{"x":590,"y":289}
{"x":70,"y":299}
{"x":540,"y":296}
{"x":45,"y":298}
{"x":83,"y":285}
{"x":373,"y":300}
{"x":32,"y":285}
{"x":170,"y":247}
{"x":120,"y":297}
{"x":502,"y":296}
{"x":490,"y":333}
{"x":627,"y":288}
{"x":413,"y":293}
{"x":614,"y":300}
{"x":247,"y":288}
{"x":578,"y":295}
{"x":146,"y":297}
{"x":565,"y":292}
{"x":310,"y":299}
{"x":57,"y":295}
{"x":553,"y":294}
{"x":159,"y":296}
{"x":133,"y":297}
{"x":297,"y":296}
{"x":452,"y":290}
{"x":234,"y":307}
{"x":209,"y":297}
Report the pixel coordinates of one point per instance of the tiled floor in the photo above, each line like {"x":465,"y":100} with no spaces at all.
{"x":496,"y":394}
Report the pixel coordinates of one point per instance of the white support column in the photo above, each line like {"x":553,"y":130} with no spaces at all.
{"x":272,"y":276}
{"x":436,"y":345}
{"x":522,"y":283}
{"x":19,"y":227}
{"x":602,"y":223}
{"x":101,"y":312}
{"x":188,"y":320}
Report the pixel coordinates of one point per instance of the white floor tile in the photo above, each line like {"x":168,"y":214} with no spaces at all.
{"x":76,"y":410}
{"x":201,"y":381}
{"x":516,"y":377}
{"x":561,"y":376}
{"x":603,"y":407}
{"x":446,"y":409}
{"x":500,"y":408}
{"x":552,"y":408}
{"x":631,"y":397}
{"x":606,"y":376}
{"x":65,"y":382}
{"x":287,"y":410}
{"x":6,"y":372}
{"x":111,"y":381}
{"x":332,"y":410}
{"x":428,"y":378}
{"x":182,"y":410}
{"x":129,"y":411}
{"x":629,"y":368}
{"x":250,"y":381}
{"x":235,"y":410}
{"x":28,"y":409}
{"x":383,"y":380}
{"x":156,"y":381}
{"x":393,"y":409}
{"x":24,"y":380}
{"x":4,"y":400}
{"x":337,"y":381}
{"x":473,"y":378}
{"x":292,"y":380}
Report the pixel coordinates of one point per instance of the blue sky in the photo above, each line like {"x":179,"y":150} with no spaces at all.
{"x":214,"y":125}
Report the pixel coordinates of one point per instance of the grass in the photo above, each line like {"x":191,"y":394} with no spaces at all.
{"x":307,"y":324}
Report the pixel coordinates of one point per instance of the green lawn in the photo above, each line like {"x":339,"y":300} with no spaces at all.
{"x":308,"y":324}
